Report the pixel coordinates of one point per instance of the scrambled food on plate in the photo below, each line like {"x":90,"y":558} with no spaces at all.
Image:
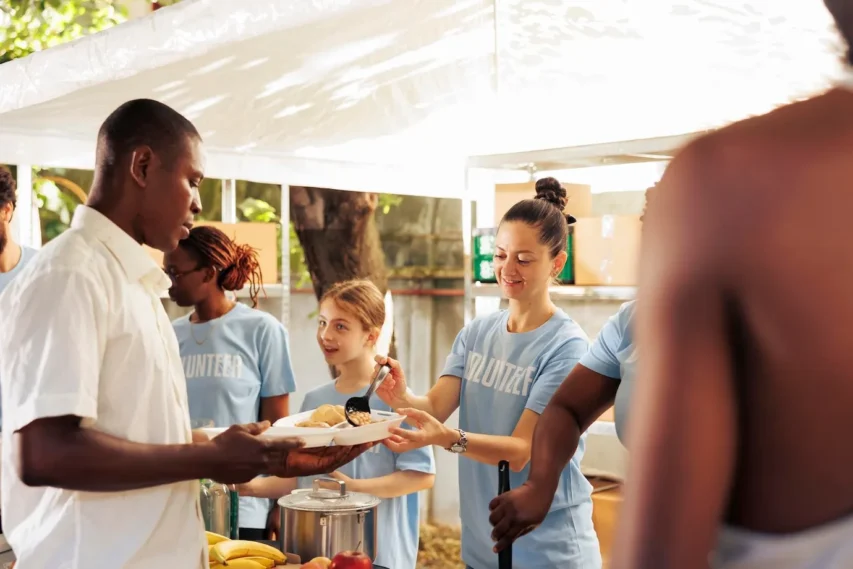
{"x":327,"y":416}
{"x":361,"y":418}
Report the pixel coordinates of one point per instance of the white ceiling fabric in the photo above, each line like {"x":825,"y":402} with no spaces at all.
{"x":393,"y":95}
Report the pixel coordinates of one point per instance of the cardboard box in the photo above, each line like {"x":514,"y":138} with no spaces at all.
{"x":607,"y":250}
{"x":507,"y":195}
{"x":262,"y":236}
{"x":606,"y":502}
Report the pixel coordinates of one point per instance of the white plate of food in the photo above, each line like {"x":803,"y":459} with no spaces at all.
{"x":332,"y":420}
{"x":313,"y":437}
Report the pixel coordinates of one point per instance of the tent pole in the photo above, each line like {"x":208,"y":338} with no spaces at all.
{"x":468,"y":216}
{"x":284,"y":219}
{"x":229,"y":201}
{"x":25,"y":222}
{"x":480,"y":212}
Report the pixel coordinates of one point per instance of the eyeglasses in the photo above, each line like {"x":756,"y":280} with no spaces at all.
{"x":176,"y":275}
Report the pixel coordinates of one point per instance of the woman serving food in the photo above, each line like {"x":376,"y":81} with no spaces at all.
{"x":501,"y":373}
{"x":351,"y":316}
{"x":604,"y":377}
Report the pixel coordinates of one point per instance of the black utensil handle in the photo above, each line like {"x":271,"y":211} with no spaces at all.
{"x":503,"y":477}
{"x":377,"y":380}
{"x":505,"y":556}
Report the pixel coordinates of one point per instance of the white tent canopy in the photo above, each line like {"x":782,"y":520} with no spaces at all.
{"x":394,"y":95}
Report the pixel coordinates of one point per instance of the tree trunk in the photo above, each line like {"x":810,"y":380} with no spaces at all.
{"x":338,"y":233}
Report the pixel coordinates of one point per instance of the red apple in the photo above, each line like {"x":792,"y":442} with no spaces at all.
{"x":351,"y":560}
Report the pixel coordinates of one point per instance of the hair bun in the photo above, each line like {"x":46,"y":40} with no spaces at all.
{"x":242,"y":269}
{"x":550,"y":190}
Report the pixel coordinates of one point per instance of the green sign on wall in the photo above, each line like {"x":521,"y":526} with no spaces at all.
{"x":483,"y":257}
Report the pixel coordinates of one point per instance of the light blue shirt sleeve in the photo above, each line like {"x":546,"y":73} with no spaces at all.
{"x":554,"y":372}
{"x":455,"y":363}
{"x":602,"y":355}
{"x":277,"y":377}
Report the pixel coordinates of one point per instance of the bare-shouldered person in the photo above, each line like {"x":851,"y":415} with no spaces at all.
{"x":740,"y":433}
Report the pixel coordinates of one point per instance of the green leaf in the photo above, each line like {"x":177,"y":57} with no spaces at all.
{"x":34,"y":25}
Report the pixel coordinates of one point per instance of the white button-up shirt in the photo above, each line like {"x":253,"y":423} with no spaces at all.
{"x":84,"y":333}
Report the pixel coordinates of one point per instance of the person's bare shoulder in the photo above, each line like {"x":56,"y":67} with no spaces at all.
{"x":767,"y":149}
{"x":729,"y":174}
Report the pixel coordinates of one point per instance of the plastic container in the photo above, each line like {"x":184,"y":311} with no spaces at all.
{"x":216,"y":508}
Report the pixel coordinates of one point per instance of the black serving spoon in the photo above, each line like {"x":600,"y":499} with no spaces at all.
{"x":505,"y":555}
{"x":362,"y":404}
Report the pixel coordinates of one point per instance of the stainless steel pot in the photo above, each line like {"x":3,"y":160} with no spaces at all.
{"x":321,"y":522}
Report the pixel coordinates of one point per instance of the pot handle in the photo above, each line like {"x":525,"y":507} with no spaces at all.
{"x":329,"y":481}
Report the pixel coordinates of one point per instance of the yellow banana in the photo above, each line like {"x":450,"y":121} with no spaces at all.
{"x":214,"y":538}
{"x":251,"y":563}
{"x":224,"y":551}
{"x":246,"y":563}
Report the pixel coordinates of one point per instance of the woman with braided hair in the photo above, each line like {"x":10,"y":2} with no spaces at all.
{"x":601,"y":379}
{"x":235,"y":358}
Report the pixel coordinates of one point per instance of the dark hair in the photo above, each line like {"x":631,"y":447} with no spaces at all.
{"x":842,"y":13}
{"x":545,"y":212}
{"x":7,"y":188}
{"x":235,"y":264}
{"x":142,"y":122}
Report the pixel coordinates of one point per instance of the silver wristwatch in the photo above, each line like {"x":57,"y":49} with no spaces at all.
{"x":461,"y":445}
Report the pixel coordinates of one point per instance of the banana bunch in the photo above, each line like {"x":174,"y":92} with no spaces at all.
{"x":240,"y":554}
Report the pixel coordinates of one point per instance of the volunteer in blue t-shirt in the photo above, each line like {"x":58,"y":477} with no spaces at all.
{"x":13,"y":257}
{"x":235,"y":358}
{"x":21,"y":255}
{"x":604,"y":377}
{"x":501,"y":373}
{"x":350,"y":319}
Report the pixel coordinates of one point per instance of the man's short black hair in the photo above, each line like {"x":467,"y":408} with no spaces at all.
{"x":7,"y":188}
{"x":143,"y":122}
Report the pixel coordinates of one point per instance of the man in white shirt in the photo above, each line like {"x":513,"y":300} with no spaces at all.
{"x":13,"y":257}
{"x":99,"y":467}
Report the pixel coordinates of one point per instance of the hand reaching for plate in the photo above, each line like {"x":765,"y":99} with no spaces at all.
{"x":323,"y":460}
{"x":426,"y":431}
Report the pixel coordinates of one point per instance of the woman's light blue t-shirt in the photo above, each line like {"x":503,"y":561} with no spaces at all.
{"x":27,"y":254}
{"x":398,"y":518}
{"x":502,"y":375}
{"x":231,"y":363}
{"x":613,"y":355}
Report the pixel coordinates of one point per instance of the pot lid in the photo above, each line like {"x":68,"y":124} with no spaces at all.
{"x":328,"y":494}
